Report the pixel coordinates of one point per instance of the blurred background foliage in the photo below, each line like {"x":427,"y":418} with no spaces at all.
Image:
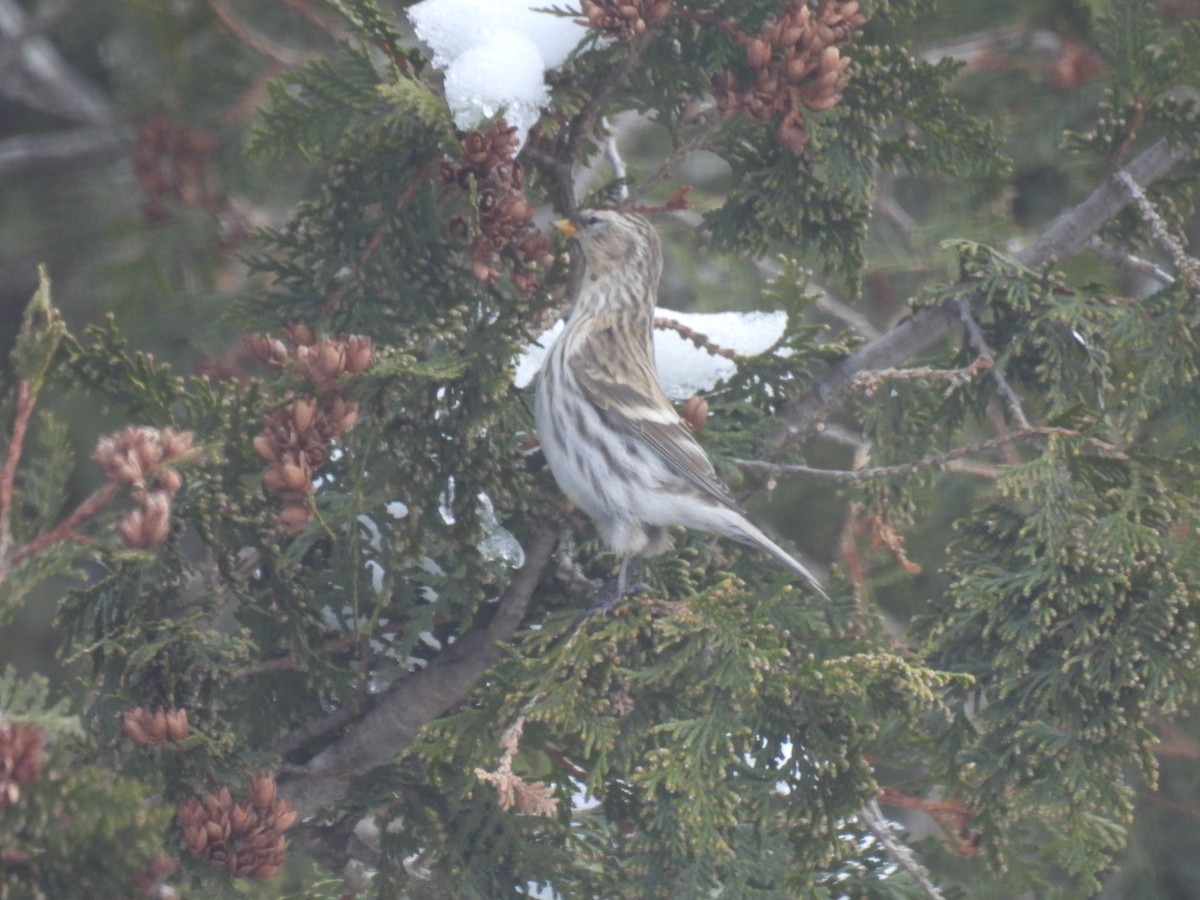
{"x":131,"y":182}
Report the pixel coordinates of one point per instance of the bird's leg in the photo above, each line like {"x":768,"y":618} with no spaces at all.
{"x":614,"y":589}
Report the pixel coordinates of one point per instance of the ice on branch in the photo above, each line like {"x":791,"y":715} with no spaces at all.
{"x":495,"y":54}
{"x":684,"y":368}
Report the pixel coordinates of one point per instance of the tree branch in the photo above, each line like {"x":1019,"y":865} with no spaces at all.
{"x":899,"y":853}
{"x":42,"y":79}
{"x":392,"y":724}
{"x":8,"y":473}
{"x":1187,"y":267}
{"x":29,"y":154}
{"x":936,"y":461}
{"x":561,"y":165}
{"x":1063,"y":238}
{"x":698,"y":141}
{"x":977,"y":342}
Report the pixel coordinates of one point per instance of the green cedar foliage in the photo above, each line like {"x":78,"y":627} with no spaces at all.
{"x":718,"y":735}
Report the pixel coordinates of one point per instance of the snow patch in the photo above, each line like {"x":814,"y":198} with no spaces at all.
{"x":684,"y":368}
{"x":495,"y":54}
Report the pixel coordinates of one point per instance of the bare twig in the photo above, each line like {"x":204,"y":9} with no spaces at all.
{"x":613,"y":153}
{"x":252,"y":38}
{"x":584,"y":122}
{"x":698,"y":141}
{"x":769,"y":268}
{"x":700,"y":340}
{"x":1185,"y":265}
{"x":890,"y":208}
{"x":870,"y":382}
{"x":977,"y":342}
{"x":63,"y":531}
{"x":8,"y":474}
{"x":934,"y":461}
{"x":41,"y":78}
{"x":12,"y":48}
{"x":314,"y":16}
{"x":1130,"y":263}
{"x":1063,"y":238}
{"x":291,"y":662}
{"x":27,"y":154}
{"x":901,"y":854}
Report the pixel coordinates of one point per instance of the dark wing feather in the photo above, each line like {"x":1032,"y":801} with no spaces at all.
{"x":606,"y":374}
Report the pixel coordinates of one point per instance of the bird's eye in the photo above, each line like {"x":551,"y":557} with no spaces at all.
{"x":593,"y":220}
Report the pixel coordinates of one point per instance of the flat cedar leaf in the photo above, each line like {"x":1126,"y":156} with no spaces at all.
{"x":42,"y":330}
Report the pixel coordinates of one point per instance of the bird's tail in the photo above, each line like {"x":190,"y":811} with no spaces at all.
{"x":748,"y":533}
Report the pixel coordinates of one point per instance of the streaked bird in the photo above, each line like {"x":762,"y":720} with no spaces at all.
{"x":614,"y":442}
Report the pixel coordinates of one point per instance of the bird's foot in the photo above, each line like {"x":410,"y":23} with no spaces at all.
{"x":611,"y":593}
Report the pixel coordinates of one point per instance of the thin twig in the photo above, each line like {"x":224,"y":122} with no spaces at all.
{"x":978,"y":344}
{"x":12,"y":48}
{"x":252,"y":38}
{"x":698,"y":141}
{"x":1062,"y":239}
{"x":702,"y":17}
{"x":901,"y":854}
{"x":870,"y":382}
{"x":8,"y":474}
{"x":328,"y":24}
{"x":1130,"y":263}
{"x":64,"y":530}
{"x":291,"y":662}
{"x":250,"y":99}
{"x":935,"y":461}
{"x":43,"y":79}
{"x":1185,"y":265}
{"x":584,"y":121}
{"x":700,"y":340}
{"x":613,"y":154}
{"x":26,"y":154}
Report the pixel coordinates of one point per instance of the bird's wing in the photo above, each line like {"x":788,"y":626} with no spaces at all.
{"x":626,"y":392}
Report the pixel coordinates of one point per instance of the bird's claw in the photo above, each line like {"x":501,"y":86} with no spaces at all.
{"x":611,"y":593}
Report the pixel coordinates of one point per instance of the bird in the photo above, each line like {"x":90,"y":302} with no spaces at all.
{"x":613,"y":441}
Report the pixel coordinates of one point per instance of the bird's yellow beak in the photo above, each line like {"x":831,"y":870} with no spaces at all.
{"x":567,"y":227}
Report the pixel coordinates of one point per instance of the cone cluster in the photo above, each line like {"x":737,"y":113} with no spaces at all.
{"x":246,"y":839}
{"x":296,"y":438}
{"x":797,"y":67}
{"x":155,"y":728}
{"x":21,"y":749}
{"x":171,"y":165}
{"x":505,"y":230}
{"x":143,"y":459}
{"x":624,"y":19}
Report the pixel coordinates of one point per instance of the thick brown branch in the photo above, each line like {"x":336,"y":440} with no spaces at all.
{"x":392,"y":725}
{"x":1063,"y":238}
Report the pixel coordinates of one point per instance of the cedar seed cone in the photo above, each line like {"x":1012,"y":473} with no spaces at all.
{"x":246,"y":839}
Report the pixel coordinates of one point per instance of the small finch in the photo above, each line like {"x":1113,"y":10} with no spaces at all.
{"x":614,"y":442}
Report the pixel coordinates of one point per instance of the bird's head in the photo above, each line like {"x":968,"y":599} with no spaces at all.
{"x":615,"y":244}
